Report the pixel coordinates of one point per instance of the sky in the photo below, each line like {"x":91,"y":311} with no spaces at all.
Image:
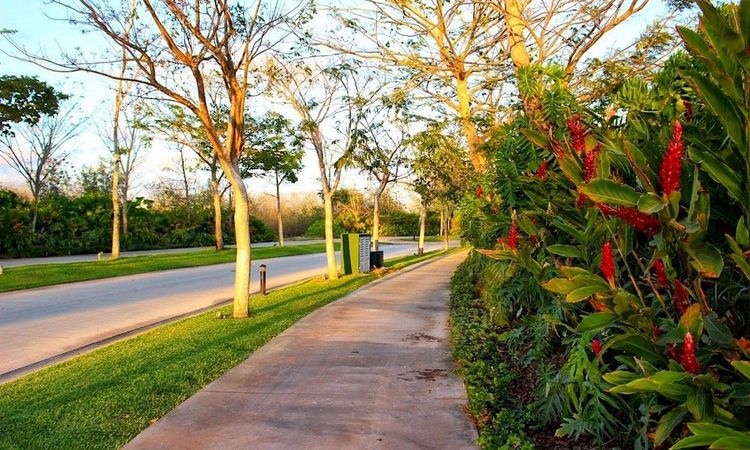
{"x":39,"y":27}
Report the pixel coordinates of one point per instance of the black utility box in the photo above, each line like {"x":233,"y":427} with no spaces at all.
{"x":376,"y":259}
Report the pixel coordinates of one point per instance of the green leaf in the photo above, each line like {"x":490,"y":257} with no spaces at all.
{"x":742,"y":367}
{"x":571,"y":169}
{"x":618,"y":377}
{"x":741,"y":233}
{"x":569,"y":251}
{"x":739,"y":260}
{"x":718,"y":333}
{"x":560,"y":285}
{"x":596,"y":321}
{"x":602,"y":190}
{"x":732,"y":443}
{"x":693,"y":442}
{"x":637,"y":345}
{"x":583,"y":293}
{"x":706,"y":259}
{"x":715,"y":25}
{"x":667,"y":424}
{"x":650,"y":203}
{"x":720,"y":172}
{"x":722,"y":106}
{"x":535,"y":137}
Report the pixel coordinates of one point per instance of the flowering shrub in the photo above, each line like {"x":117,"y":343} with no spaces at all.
{"x":622,"y":228}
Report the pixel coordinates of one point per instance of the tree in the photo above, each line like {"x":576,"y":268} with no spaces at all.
{"x":95,"y":179}
{"x":276,"y":154}
{"x":381,"y":151}
{"x":37,"y":151}
{"x":441,"y":174}
{"x":320,"y":97}
{"x":132,"y":142}
{"x":25,"y":100}
{"x":171,"y":46}
{"x":450,"y":50}
{"x":187,"y":132}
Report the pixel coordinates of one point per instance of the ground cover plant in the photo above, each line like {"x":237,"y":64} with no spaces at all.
{"x":633,"y":217}
{"x":104,"y":398}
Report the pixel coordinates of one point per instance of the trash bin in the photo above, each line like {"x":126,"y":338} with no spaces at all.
{"x":376,"y":259}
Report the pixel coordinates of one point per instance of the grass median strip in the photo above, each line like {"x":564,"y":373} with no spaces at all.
{"x":26,"y":277}
{"x":104,"y":398}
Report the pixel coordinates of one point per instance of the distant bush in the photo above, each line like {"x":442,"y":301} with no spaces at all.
{"x":74,"y":225}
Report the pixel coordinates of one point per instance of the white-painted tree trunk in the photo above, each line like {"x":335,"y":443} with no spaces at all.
{"x":333,"y":271}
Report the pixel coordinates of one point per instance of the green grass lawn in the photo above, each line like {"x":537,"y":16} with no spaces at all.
{"x":106,"y":397}
{"x":26,"y":277}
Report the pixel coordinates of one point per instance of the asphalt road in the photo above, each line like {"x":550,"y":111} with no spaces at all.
{"x":17,"y":262}
{"x":38,"y":325}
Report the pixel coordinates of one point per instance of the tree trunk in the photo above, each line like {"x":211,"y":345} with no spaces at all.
{"x":35,"y":214}
{"x":216,"y":198}
{"x":333,"y":271}
{"x":442,"y":221}
{"x":446,"y":229}
{"x":124,"y":205}
{"x":478,"y":158}
{"x":422,"y":226}
{"x":116,"y":205}
{"x":185,"y":183}
{"x":278,"y":212}
{"x":241,"y":307}
{"x":376,"y":221}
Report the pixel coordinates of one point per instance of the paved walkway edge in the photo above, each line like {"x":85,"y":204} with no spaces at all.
{"x":370,"y":370}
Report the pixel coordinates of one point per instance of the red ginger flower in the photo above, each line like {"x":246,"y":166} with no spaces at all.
{"x":681,"y":297}
{"x":577,"y":133}
{"x":513,"y":236}
{"x":596,"y":346}
{"x":541,"y":172}
{"x":661,"y":273}
{"x":480,"y":191}
{"x":608,"y":264}
{"x":589,"y":162}
{"x":688,"y":360}
{"x":644,"y":223}
{"x":671,"y":165}
{"x":589,"y":170}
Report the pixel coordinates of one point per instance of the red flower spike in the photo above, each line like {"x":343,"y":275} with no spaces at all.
{"x":480,"y":191}
{"x":589,"y":163}
{"x":661,"y":273}
{"x":681,"y":297}
{"x":577,"y":133}
{"x":688,"y":360}
{"x":513,"y":236}
{"x":596,"y":346}
{"x":541,"y":172}
{"x":671,"y":165}
{"x":608,"y":264}
{"x":644,"y":223}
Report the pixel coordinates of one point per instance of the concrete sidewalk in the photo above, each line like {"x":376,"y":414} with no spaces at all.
{"x":372,"y":370}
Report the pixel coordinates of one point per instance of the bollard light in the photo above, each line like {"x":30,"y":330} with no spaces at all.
{"x":99,"y":256}
{"x":1,"y":269}
{"x":262,"y":279}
